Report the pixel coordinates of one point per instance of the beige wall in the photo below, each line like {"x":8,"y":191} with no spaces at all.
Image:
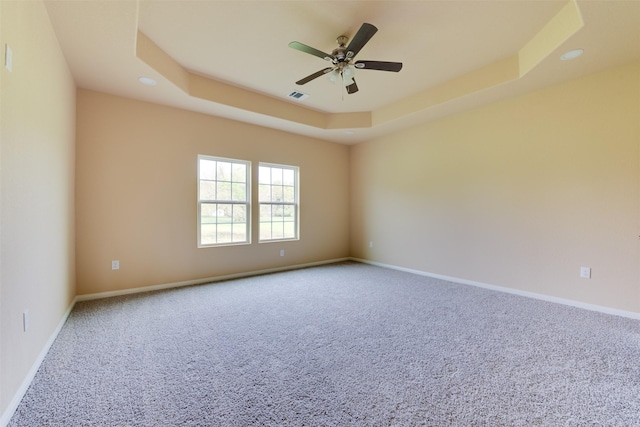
{"x":37,"y":182}
{"x":136,"y":194}
{"x":520,"y":193}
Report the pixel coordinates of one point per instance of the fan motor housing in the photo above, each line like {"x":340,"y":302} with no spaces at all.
{"x":340,"y":54}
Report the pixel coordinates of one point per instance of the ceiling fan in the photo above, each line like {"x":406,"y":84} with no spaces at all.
{"x":343,"y":67}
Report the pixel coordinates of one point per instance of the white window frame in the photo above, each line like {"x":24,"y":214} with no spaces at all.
{"x":295,"y":204}
{"x":206,"y":201}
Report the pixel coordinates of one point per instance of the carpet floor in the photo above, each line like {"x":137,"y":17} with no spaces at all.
{"x":345,"y":344}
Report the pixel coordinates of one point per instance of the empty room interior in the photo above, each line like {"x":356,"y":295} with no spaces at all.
{"x":490,"y":145}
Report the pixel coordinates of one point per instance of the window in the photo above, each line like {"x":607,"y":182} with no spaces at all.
{"x":278,"y":198}
{"x":223,"y":201}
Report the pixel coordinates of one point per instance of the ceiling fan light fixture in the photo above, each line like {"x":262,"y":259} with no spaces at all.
{"x":347,"y":71}
{"x":347,"y":81}
{"x":333,"y":76}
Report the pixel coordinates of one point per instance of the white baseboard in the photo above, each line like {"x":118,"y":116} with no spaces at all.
{"x":26,"y":382}
{"x":202,"y":281}
{"x":543,"y":297}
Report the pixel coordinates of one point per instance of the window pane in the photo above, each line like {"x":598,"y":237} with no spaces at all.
{"x":277,"y":230}
{"x":276,"y":211}
{"x":288,"y":177}
{"x":264,"y":175}
{"x":224,"y":190}
{"x":265,"y":231}
{"x":289,"y":230}
{"x":289,"y":212}
{"x":239,"y":232}
{"x":207,"y":213}
{"x":207,"y":169}
{"x":238,"y":192}
{"x":289,"y":194}
{"x":264,"y":193}
{"x":276,"y":193}
{"x":224,"y":213}
{"x":265,"y":213}
{"x":224,"y":233}
{"x":276,"y":176}
{"x":207,"y":234}
{"x":207,"y":190}
{"x":224,"y":171}
{"x":239,"y":173}
{"x":240,"y":214}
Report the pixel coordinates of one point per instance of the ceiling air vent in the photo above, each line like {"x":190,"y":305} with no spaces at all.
{"x":298,"y":96}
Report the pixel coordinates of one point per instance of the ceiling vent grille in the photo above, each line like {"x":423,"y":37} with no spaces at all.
{"x":298,"y":96}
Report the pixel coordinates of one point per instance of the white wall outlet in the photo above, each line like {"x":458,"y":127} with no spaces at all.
{"x":371,"y":244}
{"x":585,"y":272}
{"x":115,"y":264}
{"x":25,"y":320}
{"x":8,"y":58}
{"x":281,"y":252}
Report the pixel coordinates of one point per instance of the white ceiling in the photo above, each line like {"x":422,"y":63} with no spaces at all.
{"x":244,"y":44}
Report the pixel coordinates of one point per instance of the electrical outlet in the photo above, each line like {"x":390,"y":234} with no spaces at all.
{"x":585,"y":272}
{"x":25,"y":320}
{"x":115,"y":264}
{"x":281,"y":252}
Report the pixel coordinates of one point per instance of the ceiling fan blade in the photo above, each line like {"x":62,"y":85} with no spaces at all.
{"x":314,"y":76}
{"x":308,"y":49}
{"x":379,"y":65}
{"x":361,"y":38}
{"x":352,"y":88}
